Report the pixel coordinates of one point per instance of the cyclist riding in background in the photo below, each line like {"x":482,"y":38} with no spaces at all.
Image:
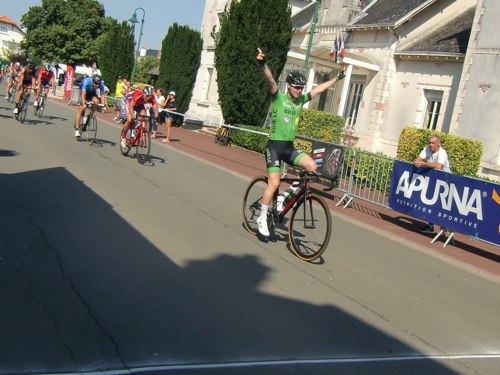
{"x":27,"y":80}
{"x":286,"y":110}
{"x":136,"y":106}
{"x":92,"y":89}
{"x":13,"y":77}
{"x":45,"y":80}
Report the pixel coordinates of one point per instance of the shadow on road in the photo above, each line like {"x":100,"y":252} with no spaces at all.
{"x":82,"y":290}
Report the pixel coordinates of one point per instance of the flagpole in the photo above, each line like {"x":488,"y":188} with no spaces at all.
{"x":311,"y":35}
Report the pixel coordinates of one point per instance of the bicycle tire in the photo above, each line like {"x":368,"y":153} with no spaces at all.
{"x":91,"y":130}
{"x":125,"y":150}
{"x":251,"y":203}
{"x":23,"y":111}
{"x":41,"y":106}
{"x":310,"y":228}
{"x":143,"y":147}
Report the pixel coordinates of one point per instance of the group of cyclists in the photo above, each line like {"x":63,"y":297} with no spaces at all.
{"x":25,"y":78}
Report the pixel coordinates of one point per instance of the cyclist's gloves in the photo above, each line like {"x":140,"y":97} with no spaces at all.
{"x":340,"y":75}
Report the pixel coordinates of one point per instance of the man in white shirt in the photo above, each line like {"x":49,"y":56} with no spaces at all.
{"x":433,"y":156}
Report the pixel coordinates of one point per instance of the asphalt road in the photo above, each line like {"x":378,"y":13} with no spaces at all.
{"x":107,"y":266}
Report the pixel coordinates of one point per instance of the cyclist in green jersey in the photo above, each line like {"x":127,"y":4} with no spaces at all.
{"x":286,"y":110}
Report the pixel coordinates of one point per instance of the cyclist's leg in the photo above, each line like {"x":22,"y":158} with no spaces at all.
{"x":306,"y":162}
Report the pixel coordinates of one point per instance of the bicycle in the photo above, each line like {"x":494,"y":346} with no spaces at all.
{"x":309,"y":230}
{"x":139,"y":137}
{"x":41,"y":104}
{"x":223,"y":136}
{"x":22,"y":107}
{"x":88,"y":122}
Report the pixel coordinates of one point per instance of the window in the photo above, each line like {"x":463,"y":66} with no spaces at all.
{"x":4,"y":30}
{"x":433,"y":108}
{"x":353,"y":100}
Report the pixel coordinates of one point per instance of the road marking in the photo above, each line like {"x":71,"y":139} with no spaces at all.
{"x":324,"y":361}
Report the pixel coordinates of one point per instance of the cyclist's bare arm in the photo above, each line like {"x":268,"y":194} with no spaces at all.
{"x":261,"y":58}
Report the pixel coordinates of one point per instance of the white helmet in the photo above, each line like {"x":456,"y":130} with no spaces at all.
{"x":171,"y":93}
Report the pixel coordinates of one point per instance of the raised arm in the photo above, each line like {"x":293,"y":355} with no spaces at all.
{"x":261,"y":58}
{"x":325,"y":85}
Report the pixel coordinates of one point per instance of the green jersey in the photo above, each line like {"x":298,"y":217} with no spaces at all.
{"x":286,"y":116}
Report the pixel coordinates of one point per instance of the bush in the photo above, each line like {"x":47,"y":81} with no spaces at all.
{"x":324,"y":126}
{"x":248,"y":140}
{"x":464,"y":153}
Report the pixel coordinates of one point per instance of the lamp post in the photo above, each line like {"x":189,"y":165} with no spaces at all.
{"x":311,"y":35}
{"x":134,"y":20}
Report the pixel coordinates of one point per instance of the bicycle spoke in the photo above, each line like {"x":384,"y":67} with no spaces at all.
{"x":143,"y":147}
{"x":310,"y":227}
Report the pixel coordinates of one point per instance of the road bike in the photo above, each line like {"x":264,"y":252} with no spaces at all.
{"x":309,"y":227}
{"x":88,"y":122}
{"x":223,"y":136}
{"x":22,"y":107}
{"x":139,"y":137}
{"x":41,"y":103}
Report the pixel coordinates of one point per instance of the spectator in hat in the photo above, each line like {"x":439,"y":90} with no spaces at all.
{"x":171,"y":106}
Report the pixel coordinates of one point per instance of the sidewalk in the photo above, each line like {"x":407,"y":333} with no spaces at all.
{"x":479,"y":257}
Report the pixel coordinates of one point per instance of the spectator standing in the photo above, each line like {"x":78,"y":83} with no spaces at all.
{"x":171,"y":105}
{"x":120,"y":83}
{"x":161,"y":101}
{"x":433,"y":156}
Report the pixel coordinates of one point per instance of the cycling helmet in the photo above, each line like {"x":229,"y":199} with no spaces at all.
{"x":96,"y":79}
{"x":48,"y":68}
{"x":296,"y":79}
{"x":148,"y":90}
{"x":31,"y":65}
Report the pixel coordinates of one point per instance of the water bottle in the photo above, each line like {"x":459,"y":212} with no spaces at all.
{"x":132,"y":133}
{"x":85,"y":119}
{"x":290,"y":193}
{"x":279,"y":202}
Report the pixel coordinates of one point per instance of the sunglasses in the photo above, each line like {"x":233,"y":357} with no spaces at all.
{"x":298,"y":87}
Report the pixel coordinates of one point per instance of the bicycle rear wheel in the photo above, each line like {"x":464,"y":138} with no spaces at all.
{"x":91,"y":130}
{"x":310,"y":227}
{"x":251,"y":203}
{"x":143,"y":147}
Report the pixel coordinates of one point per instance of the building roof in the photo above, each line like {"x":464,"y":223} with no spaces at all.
{"x":388,"y":13}
{"x":452,"y":37}
{"x":6,"y":19}
{"x":303,"y":17}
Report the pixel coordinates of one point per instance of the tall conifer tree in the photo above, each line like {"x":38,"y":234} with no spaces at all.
{"x":179,"y":63}
{"x":243,"y":93}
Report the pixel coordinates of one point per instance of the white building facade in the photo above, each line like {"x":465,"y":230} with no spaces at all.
{"x":11,"y":36}
{"x":424,"y":63}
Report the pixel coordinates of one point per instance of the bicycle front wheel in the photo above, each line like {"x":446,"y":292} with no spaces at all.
{"x":310,"y":227}
{"x":251,"y":203}
{"x":23,"y":111}
{"x":91,"y":130}
{"x":41,"y":106}
{"x":143,"y":147}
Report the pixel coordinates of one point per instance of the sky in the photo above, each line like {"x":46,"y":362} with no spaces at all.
{"x":159,"y":15}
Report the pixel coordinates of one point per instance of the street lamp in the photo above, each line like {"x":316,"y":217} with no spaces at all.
{"x":134,"y":20}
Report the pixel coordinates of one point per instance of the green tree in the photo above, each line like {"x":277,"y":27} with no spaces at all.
{"x":179,"y":63}
{"x":67,"y":31}
{"x":144,"y":65}
{"x":243,"y":92}
{"x":116,"y":55}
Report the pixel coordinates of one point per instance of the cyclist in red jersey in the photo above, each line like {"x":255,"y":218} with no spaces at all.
{"x":13,"y":77}
{"x":45,"y":79}
{"x":27,"y":80}
{"x":136,"y":106}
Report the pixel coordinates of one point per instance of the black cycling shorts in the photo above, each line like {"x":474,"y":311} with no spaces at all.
{"x":278,"y":151}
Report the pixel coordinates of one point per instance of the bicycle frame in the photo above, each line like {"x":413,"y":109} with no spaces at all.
{"x":140,"y":123}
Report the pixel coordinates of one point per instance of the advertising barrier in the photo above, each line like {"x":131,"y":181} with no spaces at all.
{"x":462,"y":204}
